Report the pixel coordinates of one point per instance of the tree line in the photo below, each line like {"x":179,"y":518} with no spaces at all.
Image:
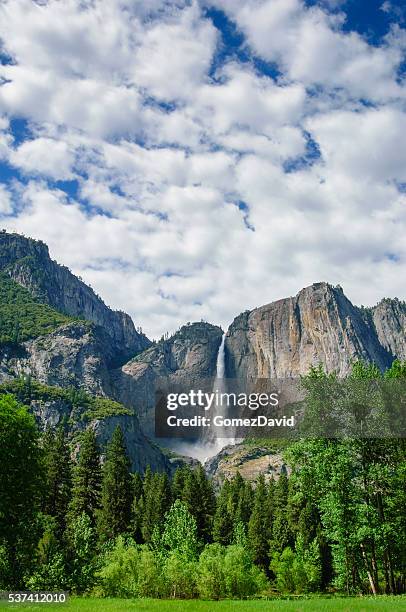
{"x":87,"y":525}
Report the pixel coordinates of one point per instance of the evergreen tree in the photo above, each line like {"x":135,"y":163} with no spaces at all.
{"x":197,"y":493}
{"x":86,"y":479}
{"x":223,"y":521}
{"x":178,"y":482}
{"x":58,"y":477}
{"x":157,"y":502}
{"x":115,"y":513}
{"x":137,"y":509}
{"x":206,"y":504}
{"x":259,"y":526}
{"x":244,"y":502}
{"x":281,"y":536}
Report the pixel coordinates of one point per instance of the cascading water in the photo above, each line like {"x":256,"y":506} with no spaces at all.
{"x":221,"y":359}
{"x":211,"y":443}
{"x":214,"y":442}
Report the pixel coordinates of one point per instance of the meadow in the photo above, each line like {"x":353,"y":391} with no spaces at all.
{"x":343,"y":604}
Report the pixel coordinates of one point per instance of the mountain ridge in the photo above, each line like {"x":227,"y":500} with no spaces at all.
{"x":108,"y":358}
{"x":28,"y":263}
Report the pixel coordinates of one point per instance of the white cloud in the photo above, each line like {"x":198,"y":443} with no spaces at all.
{"x":5,"y":201}
{"x":46,"y":156}
{"x":310,"y":48}
{"x":185,"y":208}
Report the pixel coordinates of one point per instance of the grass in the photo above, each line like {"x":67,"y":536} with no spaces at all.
{"x":344,"y":604}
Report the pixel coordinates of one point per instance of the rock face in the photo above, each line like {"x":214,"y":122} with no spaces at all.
{"x":77,"y":354}
{"x":389,"y":320}
{"x":319,"y":325}
{"x":188,"y":356}
{"x":28,"y":262}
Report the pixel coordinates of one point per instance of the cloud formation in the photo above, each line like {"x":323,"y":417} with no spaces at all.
{"x":185,"y":177}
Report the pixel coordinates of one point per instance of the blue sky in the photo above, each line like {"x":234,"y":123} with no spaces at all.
{"x":191,"y":160}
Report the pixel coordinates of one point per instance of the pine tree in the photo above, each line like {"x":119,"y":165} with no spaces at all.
{"x":243,"y":503}
{"x":223,"y":521}
{"x":86,"y":479}
{"x":178,"y":482}
{"x":259,"y":526}
{"x":281,"y":533}
{"x":157,"y":502}
{"x":205,"y":504}
{"x":58,"y":477}
{"x":115,"y":513}
{"x":137,"y":509}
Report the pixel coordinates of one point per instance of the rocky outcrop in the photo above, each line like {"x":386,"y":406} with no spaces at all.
{"x":389,"y":319}
{"x":28,"y":262}
{"x":184,"y":359}
{"x":249,"y":461}
{"x":75,"y":355}
{"x":317,"y":326}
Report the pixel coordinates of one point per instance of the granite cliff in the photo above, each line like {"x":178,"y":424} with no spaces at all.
{"x":317,"y":326}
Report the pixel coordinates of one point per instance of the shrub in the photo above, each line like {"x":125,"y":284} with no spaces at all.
{"x":211,"y":581}
{"x":119,"y":574}
{"x":242,"y":577}
{"x":180,"y":576}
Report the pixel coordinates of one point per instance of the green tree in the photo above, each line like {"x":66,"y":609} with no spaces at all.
{"x":137,"y":509}
{"x":180,"y":575}
{"x":50,"y":569}
{"x":115,"y":513}
{"x":83,"y":548}
{"x":281,"y":534}
{"x":223,"y":520}
{"x":86,"y":487}
{"x":199,"y":496}
{"x":58,"y":476}
{"x":211,"y":582}
{"x":259,"y":526}
{"x":20,"y":486}
{"x":242,"y":577}
{"x":157,"y":502}
{"x":180,"y":532}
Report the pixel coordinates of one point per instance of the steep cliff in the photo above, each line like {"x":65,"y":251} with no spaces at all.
{"x":75,"y":355}
{"x":28,"y":263}
{"x":389,"y":319}
{"x":318,"y":325}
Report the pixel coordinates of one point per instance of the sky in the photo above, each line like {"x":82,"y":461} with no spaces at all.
{"x":191,"y":160}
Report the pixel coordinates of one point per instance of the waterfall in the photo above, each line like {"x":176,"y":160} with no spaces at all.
{"x":209,"y":445}
{"x":221,"y":359}
{"x":219,"y":386}
{"x":216,"y":442}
